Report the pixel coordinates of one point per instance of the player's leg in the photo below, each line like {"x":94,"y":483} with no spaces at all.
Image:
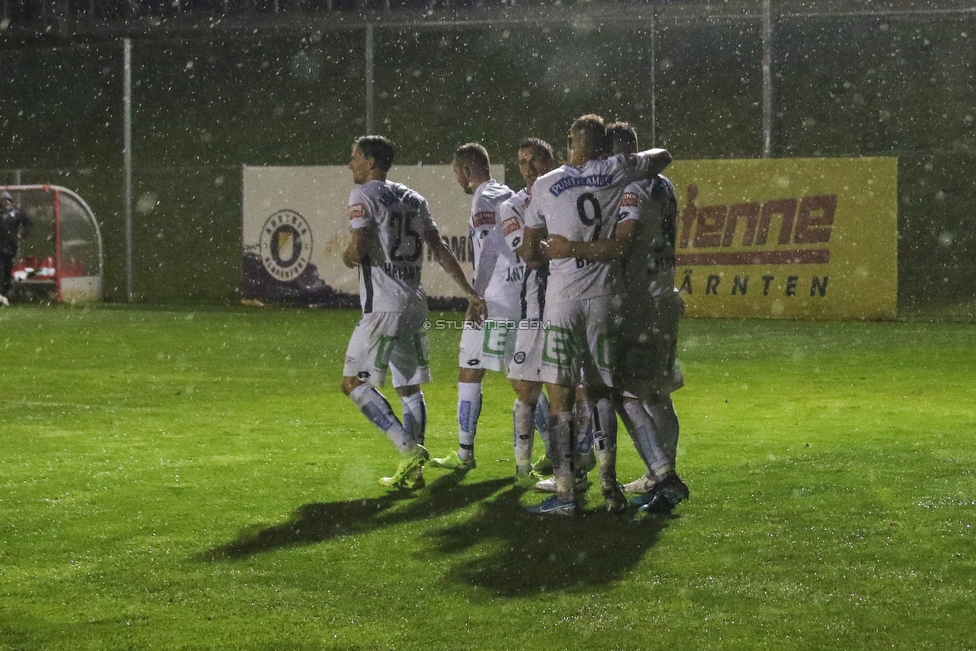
{"x":598,"y":374}
{"x":543,"y":465}
{"x":410,"y":367}
{"x":523,"y":424}
{"x":367,"y":360}
{"x":561,"y":442}
{"x":523,"y":374}
{"x":468,"y":412}
{"x":584,"y":421}
{"x":485,"y":348}
{"x":644,"y":432}
{"x":560,"y":370}
{"x":414,"y":413}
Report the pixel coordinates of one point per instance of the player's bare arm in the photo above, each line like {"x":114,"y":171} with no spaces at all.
{"x":660,"y":159}
{"x":477,"y":307}
{"x":356,"y":249}
{"x":615,"y":248}
{"x":530,"y":250}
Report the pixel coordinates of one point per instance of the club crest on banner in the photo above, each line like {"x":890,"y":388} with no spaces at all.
{"x":286,"y":245}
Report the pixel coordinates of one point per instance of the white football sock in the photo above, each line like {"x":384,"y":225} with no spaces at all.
{"x":523,"y":415}
{"x":379,"y":412}
{"x":561,"y":442}
{"x":583,"y":427}
{"x":645,"y":435}
{"x":605,"y":438}
{"x":666,"y":420}
{"x":468,"y":410}
{"x":415,"y":416}
{"x":542,"y":419}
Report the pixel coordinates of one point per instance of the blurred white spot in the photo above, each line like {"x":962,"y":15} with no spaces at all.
{"x":147,"y":203}
{"x":188,"y":66}
{"x":940,"y":195}
{"x":945,"y":239}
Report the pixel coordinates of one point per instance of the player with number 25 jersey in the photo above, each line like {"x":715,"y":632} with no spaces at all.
{"x":389,"y":279}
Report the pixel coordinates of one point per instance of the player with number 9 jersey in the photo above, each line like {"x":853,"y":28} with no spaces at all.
{"x":579,"y":203}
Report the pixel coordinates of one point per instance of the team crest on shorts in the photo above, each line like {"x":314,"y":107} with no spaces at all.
{"x":286,"y":245}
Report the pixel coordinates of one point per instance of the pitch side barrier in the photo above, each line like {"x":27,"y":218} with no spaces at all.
{"x":783,"y":238}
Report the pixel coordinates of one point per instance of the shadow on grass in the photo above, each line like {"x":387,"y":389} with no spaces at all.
{"x":318,"y":522}
{"x":525,"y":554}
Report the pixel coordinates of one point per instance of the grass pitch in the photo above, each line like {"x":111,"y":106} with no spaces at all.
{"x":195,"y":480}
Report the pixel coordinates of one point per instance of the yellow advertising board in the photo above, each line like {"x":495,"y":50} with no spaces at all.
{"x":788,"y":238}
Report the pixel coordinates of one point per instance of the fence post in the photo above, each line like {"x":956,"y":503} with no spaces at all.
{"x":767,"y":78}
{"x":127,"y":163}
{"x":370,"y":47}
{"x":654,"y":76}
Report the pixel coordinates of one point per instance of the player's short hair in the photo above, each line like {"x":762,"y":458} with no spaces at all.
{"x":473,"y":154}
{"x":623,"y":137}
{"x":539,"y":145}
{"x":594,"y":131}
{"x":378,"y":148}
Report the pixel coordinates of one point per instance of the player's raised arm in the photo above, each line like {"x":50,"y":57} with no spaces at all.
{"x":477,"y":308}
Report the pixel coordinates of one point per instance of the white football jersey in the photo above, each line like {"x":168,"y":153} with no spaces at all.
{"x":497,"y":270}
{"x":533,"y":295}
{"x":648,"y":272}
{"x":580,"y":203}
{"x":389,"y":275}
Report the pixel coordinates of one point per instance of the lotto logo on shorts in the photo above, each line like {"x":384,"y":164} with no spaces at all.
{"x":357,"y":211}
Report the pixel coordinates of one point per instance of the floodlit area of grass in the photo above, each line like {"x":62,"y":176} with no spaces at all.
{"x":195,"y":480}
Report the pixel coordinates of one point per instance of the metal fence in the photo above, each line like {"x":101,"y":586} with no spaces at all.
{"x":724,"y":80}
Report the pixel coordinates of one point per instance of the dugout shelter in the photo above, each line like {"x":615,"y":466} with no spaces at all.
{"x":62,"y":259}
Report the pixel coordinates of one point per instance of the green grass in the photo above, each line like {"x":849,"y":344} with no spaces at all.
{"x":195,"y":480}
